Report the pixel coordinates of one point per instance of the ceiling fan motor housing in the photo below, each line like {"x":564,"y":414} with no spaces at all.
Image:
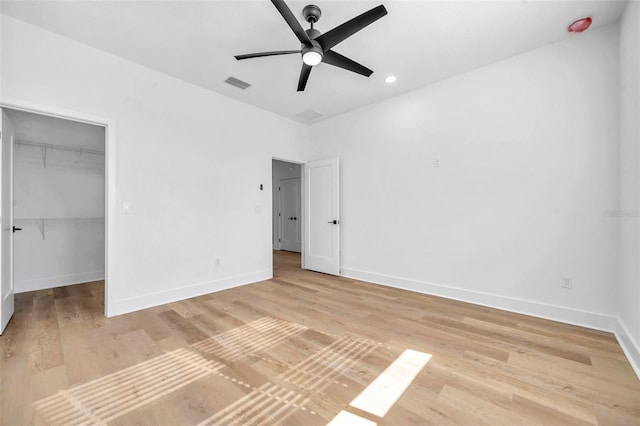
{"x":312,"y":33}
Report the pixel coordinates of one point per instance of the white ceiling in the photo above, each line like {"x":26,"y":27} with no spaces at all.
{"x":418,"y":41}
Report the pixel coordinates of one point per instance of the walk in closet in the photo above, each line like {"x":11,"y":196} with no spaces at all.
{"x":58,"y":202}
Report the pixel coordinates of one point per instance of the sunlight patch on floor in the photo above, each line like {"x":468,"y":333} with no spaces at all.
{"x":269,"y":404}
{"x":322,"y":368}
{"x":345,"y":418}
{"x":385,"y":390}
{"x":249,"y":339}
{"x":109,"y":397}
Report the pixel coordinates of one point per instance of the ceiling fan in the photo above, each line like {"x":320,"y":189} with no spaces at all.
{"x":316,"y":47}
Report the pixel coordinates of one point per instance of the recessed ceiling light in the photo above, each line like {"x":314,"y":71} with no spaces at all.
{"x":390,"y":79}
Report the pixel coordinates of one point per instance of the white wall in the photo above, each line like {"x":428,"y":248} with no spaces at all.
{"x":528,"y":159}
{"x":281,"y":170}
{"x":189,"y":162}
{"x":54,"y":248}
{"x":524,"y":195}
{"x":628,"y":214}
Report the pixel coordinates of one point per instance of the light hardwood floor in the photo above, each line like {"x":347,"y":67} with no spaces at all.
{"x":298,"y":349}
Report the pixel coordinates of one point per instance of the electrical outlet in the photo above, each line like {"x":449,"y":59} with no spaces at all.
{"x":567,"y":282}
{"x":217,"y":263}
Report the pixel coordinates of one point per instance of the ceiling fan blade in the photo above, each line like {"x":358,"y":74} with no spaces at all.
{"x":341,"y":32}
{"x":261,"y":54}
{"x":304,"y":76}
{"x":337,"y":60}
{"x":292,"y":21}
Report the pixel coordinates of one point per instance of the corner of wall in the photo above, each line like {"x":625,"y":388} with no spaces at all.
{"x":628,"y":300}
{"x":630,"y":348}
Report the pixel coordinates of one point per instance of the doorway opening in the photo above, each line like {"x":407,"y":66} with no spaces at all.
{"x":286,"y":214}
{"x":57,"y":200}
{"x":308,"y":220}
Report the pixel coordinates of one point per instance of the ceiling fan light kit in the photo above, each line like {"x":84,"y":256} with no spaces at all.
{"x":317,"y":47}
{"x":312,"y":55}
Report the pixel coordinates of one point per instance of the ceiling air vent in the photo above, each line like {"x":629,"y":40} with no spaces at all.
{"x":237,"y":83}
{"x":309,"y":115}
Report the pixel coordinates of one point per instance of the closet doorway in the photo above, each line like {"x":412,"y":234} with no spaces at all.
{"x":59,"y":205}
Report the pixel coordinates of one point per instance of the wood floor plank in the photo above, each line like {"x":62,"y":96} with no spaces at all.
{"x":542,"y":414}
{"x":481,"y":409}
{"x":298,"y":349}
{"x":46,"y":349}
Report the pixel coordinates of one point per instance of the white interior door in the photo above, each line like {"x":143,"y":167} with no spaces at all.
{"x":6,"y":221}
{"x":290,"y":217}
{"x":322,"y":216}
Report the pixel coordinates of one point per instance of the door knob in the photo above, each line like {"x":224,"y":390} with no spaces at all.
{"x":333,"y":222}
{"x":15,"y":228}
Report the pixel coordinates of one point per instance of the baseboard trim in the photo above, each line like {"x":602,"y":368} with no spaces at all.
{"x":132,"y":304}
{"x":551,"y":312}
{"x":629,"y":346}
{"x":521,"y":306}
{"x":59,"y":281}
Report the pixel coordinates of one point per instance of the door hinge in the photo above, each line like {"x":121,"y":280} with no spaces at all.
{"x":279,"y":214}
{"x":278,"y":188}
{"x":279,"y":240}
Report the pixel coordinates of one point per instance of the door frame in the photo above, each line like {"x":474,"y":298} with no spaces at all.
{"x":109,"y":168}
{"x":302,"y":211}
{"x":7,"y":307}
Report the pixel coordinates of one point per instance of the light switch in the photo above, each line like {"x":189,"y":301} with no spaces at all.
{"x":126,"y":207}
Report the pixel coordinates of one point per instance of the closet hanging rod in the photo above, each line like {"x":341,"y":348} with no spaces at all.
{"x":59,"y":219}
{"x":58,"y":147}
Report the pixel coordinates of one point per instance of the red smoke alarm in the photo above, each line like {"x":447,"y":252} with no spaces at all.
{"x":581,"y":25}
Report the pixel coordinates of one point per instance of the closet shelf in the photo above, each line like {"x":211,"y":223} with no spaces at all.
{"x":42,"y":223}
{"x":53,"y":147}
{"x":60,"y":219}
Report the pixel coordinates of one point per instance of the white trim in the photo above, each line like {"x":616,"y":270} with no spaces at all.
{"x":53,"y":111}
{"x":629,"y":346}
{"x":526,"y":307}
{"x":109,"y":169}
{"x":59,"y":281}
{"x":580,"y":318}
{"x":270,"y":210}
{"x":145,"y":301}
